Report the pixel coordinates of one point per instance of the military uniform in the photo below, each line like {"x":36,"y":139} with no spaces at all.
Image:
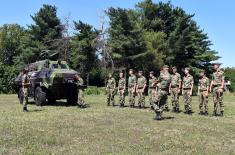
{"x":25,"y":89}
{"x":218,"y":78}
{"x":152,"y":90}
{"x":111,"y":84}
{"x":121,"y":90}
{"x":188,"y":82}
{"x":203,"y":85}
{"x":81,"y":101}
{"x":159,"y":105}
{"x":141,"y":83}
{"x":174,"y":90}
{"x":131,"y":90}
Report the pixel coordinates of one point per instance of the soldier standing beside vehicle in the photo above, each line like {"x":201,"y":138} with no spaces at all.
{"x":131,"y":88}
{"x":110,"y":88}
{"x":80,"y":84}
{"x":152,"y":88}
{"x":175,"y":88}
{"x":164,"y":80}
{"x":203,"y":92}
{"x":25,"y":88}
{"x":141,"y":84}
{"x":217,"y":87}
{"x":121,"y":89}
{"x":187,"y":90}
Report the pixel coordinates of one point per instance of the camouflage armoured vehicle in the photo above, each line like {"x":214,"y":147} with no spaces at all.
{"x":50,"y":81}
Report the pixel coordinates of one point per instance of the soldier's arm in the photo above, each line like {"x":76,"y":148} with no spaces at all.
{"x":198,"y":89}
{"x":211,"y":85}
{"x":192,"y":85}
{"x":222,"y":85}
{"x":170,"y":88}
{"x":208,"y":87}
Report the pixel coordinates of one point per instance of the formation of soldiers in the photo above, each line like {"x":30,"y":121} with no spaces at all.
{"x":173,"y":84}
{"x":158,"y":90}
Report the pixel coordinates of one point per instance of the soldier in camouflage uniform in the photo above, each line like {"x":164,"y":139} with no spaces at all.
{"x":203,"y":91}
{"x":25,"y":88}
{"x":152,"y":88}
{"x":80,"y":84}
{"x":217,"y":87}
{"x":187,"y":91}
{"x":121,"y":89}
{"x":164,"y":80}
{"x":141,"y":84}
{"x":110,"y":88}
{"x":131,"y":88}
{"x":175,"y":88}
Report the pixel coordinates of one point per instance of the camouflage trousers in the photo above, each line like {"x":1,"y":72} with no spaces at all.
{"x":218,"y":99}
{"x":122,"y":97}
{"x":175,"y":97}
{"x":81,"y":97}
{"x":187,"y":99}
{"x":25,"y":94}
{"x":141,"y":97}
{"x":110,"y":96}
{"x":203,"y":101}
{"x":161,"y":100}
{"x":131,"y":96}
{"x":152,"y":95}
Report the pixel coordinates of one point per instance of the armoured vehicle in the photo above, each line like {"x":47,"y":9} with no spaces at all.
{"x":50,"y":81}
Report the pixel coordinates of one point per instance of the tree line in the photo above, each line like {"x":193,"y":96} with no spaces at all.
{"x":144,"y":38}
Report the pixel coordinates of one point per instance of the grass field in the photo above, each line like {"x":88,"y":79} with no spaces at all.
{"x":110,"y":130}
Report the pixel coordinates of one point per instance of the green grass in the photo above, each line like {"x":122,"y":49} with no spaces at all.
{"x":111,"y":130}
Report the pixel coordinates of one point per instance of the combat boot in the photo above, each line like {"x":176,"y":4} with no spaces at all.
{"x":221,"y":113}
{"x":206,"y":113}
{"x":25,"y":109}
{"x":152,"y":108}
{"x":189,"y":112}
{"x":200,"y":113}
{"x":215,"y":114}
{"x":158,"y":116}
{"x":139,"y":106}
{"x":177,"y":110}
{"x":174,"y":109}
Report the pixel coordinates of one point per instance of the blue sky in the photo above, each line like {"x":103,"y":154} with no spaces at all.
{"x":215,"y":17}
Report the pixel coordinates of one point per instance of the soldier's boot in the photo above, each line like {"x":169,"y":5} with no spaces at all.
{"x":201,"y":113}
{"x":158,"y":116}
{"x":221,"y":113}
{"x":174,"y":109}
{"x":25,"y":109}
{"x":206,"y":113}
{"x":189,"y":112}
{"x":167,"y":108}
{"x":215,"y":114}
{"x":152,"y":108}
{"x":140,"y":106}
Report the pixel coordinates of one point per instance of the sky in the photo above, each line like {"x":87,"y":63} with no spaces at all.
{"x":215,"y":17}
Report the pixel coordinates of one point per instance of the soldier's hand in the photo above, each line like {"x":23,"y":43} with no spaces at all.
{"x":191,"y":93}
{"x":207,"y":94}
{"x":198,"y":93}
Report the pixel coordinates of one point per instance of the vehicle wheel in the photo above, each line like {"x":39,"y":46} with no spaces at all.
{"x":40,"y":96}
{"x":21,"y":95}
{"x":72,"y":98}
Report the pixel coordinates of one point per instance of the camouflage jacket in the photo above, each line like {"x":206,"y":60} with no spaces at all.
{"x":188,"y":81}
{"x":203,"y":83}
{"x":152,"y":82}
{"x":111,"y":83}
{"x":80,"y":82}
{"x":122,"y":83}
{"x":218,"y":77}
{"x":25,"y":81}
{"x":131,"y":81}
{"x":176,"y":80}
{"x":141,"y":82}
{"x":165,"y":80}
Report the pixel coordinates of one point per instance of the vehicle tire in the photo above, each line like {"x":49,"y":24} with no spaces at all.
{"x":72,"y":97}
{"x":21,"y":95}
{"x":40,"y":96}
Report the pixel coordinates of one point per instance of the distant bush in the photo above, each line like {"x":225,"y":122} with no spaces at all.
{"x":93,"y":90}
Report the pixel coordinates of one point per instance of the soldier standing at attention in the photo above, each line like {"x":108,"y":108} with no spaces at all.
{"x":203,"y":91}
{"x":121,"y":89}
{"x":217,"y":87}
{"x":175,"y":88}
{"x":80,"y":83}
{"x":152,"y":88}
{"x":187,"y":91}
{"x":141,"y":84}
{"x":164,"y":80}
{"x":131,"y":88}
{"x":25,"y":88}
{"x":110,"y":88}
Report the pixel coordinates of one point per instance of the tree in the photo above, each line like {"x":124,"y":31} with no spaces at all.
{"x":10,"y":40}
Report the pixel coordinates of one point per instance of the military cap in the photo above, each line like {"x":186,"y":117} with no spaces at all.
{"x":131,"y":70}
{"x":26,"y":69}
{"x":187,"y":68}
{"x":165,"y":66}
{"x":140,"y":71}
{"x":216,"y":63}
{"x":174,"y":67}
{"x":152,"y":72}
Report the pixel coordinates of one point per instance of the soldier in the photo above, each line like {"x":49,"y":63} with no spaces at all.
{"x":187,"y":91}
{"x":121,"y":89}
{"x":25,"y":88}
{"x":217,"y":87}
{"x":110,"y":88}
{"x":203,"y":91}
{"x":175,"y":87}
{"x":152,"y":88}
{"x":141,"y":84}
{"x":131,"y":88}
{"x":80,"y":84}
{"x":164,"y":80}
